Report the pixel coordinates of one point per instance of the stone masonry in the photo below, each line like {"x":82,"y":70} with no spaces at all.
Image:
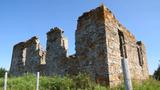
{"x":27,"y":57}
{"x":101,"y":43}
{"x":56,"y":51}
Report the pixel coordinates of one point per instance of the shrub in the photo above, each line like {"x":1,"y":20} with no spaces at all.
{"x":2,"y":72}
{"x":157,"y":74}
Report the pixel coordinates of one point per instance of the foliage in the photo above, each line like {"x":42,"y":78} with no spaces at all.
{"x":55,"y":83}
{"x":83,"y":81}
{"x":2,"y":72}
{"x":26,"y":82}
{"x":157,"y":74}
{"x":1,"y":83}
{"x":79,"y":82}
{"x":149,"y":84}
{"x":99,"y":87}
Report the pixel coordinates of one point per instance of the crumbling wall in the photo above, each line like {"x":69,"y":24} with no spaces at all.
{"x":18,"y":59}
{"x":56,"y":51}
{"x":70,"y":65}
{"x":34,"y":55}
{"x":27,"y":57}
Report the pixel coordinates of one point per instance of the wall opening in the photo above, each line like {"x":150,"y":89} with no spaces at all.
{"x":140,"y":54}
{"x":122,"y":44}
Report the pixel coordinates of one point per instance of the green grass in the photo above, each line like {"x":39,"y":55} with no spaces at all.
{"x":79,"y":82}
{"x":1,"y":83}
{"x":26,"y":82}
{"x":150,"y":84}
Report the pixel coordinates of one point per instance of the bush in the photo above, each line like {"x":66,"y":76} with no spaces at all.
{"x":157,"y":74}
{"x":2,"y":72}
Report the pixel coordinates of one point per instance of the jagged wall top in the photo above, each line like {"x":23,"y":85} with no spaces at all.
{"x":101,"y":10}
{"x":33,"y":40}
{"x":104,"y":14}
{"x":55,"y":30}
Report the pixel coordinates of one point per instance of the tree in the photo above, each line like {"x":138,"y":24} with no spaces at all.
{"x":157,"y":73}
{"x":2,"y":72}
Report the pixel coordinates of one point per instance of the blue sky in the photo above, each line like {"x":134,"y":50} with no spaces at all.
{"x":22,"y":19}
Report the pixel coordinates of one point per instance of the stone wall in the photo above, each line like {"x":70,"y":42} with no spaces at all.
{"x":99,"y":27}
{"x":18,"y":59}
{"x":144,"y":67}
{"x":27,"y":57}
{"x":56,"y":51}
{"x":91,"y":47}
{"x":34,"y":55}
{"x":113,"y":30}
{"x":101,"y":43}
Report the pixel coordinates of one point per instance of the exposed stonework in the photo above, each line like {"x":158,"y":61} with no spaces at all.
{"x":91,"y":47}
{"x":56,"y":51}
{"x":18,"y":59}
{"x":101,"y":43}
{"x":27,"y":57}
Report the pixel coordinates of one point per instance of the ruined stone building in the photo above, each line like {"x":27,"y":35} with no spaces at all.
{"x":101,"y":42}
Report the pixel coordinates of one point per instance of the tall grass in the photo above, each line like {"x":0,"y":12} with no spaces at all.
{"x":1,"y":83}
{"x":26,"y":82}
{"x":79,"y":82}
{"x":149,"y":84}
